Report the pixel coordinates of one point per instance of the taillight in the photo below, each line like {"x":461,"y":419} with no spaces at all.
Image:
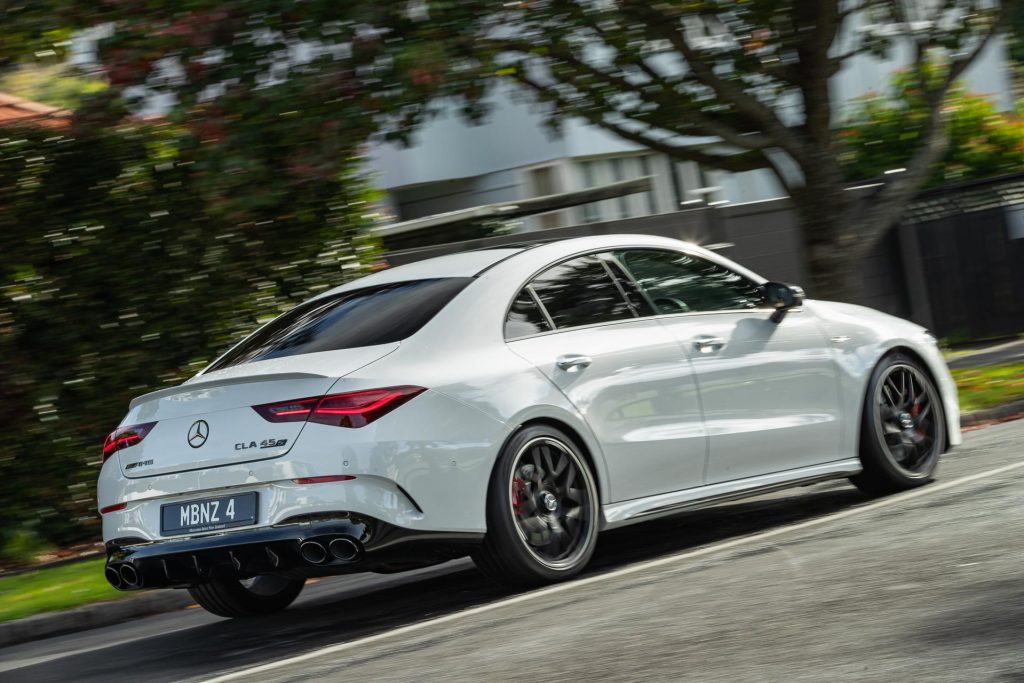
{"x":289,"y":411}
{"x":353,"y":409}
{"x":123,"y":437}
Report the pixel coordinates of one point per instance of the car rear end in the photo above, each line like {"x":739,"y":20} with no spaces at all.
{"x":286,"y":456}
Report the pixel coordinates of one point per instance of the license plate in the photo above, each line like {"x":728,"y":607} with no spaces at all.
{"x":209,"y":514}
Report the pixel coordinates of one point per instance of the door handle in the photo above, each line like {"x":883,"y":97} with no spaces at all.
{"x":573,"y":362}
{"x":708,"y":344}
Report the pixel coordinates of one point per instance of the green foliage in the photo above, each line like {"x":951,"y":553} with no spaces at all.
{"x":135,"y":253}
{"x":56,"y":85}
{"x":989,"y":386}
{"x":1016,"y":42}
{"x":883,"y":131}
{"x":55,"y":588}
{"x":22,"y":545}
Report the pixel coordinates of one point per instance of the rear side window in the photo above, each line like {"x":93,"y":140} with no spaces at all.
{"x":361,"y":317}
{"x":525,"y":317}
{"x":580,"y":292}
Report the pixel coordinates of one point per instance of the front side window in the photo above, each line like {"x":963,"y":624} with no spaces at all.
{"x":678,"y":283}
{"x":581,"y":292}
{"x":361,"y":317}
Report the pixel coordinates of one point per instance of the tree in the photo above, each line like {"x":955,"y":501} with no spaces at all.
{"x":883,"y":130}
{"x":755,"y":78}
{"x":57,"y":85}
{"x":1017,"y":42}
{"x":136,"y":249}
{"x":730,"y":85}
{"x":134,"y":255}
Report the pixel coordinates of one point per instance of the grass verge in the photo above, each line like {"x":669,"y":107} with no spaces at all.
{"x":55,"y":588}
{"x":989,"y":386}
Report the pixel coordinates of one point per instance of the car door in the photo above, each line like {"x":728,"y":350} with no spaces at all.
{"x":583,"y":324}
{"x":769,"y":391}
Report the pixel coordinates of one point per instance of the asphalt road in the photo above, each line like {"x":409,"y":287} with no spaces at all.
{"x":1006,"y":352}
{"x":813,"y":584}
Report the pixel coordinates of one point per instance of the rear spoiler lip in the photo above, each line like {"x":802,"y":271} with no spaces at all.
{"x":196,"y":384}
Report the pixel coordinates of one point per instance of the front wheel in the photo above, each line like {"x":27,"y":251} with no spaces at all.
{"x":903,"y":431}
{"x":542,"y":510}
{"x":257,"y":596}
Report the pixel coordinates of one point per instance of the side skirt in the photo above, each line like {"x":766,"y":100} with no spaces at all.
{"x":664,"y":504}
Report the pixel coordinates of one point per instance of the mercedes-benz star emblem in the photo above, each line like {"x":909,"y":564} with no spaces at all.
{"x":198,"y":433}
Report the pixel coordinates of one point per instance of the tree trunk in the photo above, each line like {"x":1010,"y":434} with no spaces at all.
{"x":835,"y":271}
{"x":832,"y":251}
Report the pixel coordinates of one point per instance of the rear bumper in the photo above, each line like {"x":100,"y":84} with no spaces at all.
{"x":288,"y":549}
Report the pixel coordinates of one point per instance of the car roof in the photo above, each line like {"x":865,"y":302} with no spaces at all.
{"x":524,"y":255}
{"x":462,"y":264}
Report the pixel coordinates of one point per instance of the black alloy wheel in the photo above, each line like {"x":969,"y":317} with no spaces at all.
{"x":904,"y":428}
{"x":543,"y":510}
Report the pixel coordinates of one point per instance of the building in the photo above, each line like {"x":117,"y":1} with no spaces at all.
{"x":512,"y":156}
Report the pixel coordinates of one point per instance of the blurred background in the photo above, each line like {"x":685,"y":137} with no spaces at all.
{"x":173,"y":174}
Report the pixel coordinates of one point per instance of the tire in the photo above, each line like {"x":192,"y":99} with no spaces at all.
{"x":543,"y":510}
{"x":903,"y":428}
{"x":258,"y":596}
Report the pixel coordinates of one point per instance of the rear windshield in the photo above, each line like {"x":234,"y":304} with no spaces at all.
{"x":361,"y":317}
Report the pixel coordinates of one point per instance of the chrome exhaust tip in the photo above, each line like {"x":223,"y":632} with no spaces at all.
{"x":313,"y":552}
{"x":113,"y":577}
{"x":345,"y":549}
{"x":129,"y":576}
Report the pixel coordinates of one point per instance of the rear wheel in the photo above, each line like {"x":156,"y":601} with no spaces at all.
{"x":903,"y":430}
{"x":542,"y":510}
{"x":247,"y":598}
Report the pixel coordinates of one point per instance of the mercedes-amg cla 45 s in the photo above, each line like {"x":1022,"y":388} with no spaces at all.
{"x":508,"y":404}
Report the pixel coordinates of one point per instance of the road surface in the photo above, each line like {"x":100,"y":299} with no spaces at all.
{"x":807,"y":585}
{"x":1004,"y":352}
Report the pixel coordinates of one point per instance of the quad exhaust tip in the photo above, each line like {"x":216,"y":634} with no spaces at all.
{"x":123,"y":576}
{"x":325,"y":549}
{"x":345,"y":549}
{"x":129,"y":576}
{"x":113,"y":577}
{"x":313,"y":552}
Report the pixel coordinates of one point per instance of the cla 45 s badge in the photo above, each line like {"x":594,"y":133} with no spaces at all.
{"x":266,"y":443}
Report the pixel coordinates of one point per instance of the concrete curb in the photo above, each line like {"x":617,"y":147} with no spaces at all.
{"x":87,"y":617}
{"x":157,"y":602}
{"x":998,"y":414}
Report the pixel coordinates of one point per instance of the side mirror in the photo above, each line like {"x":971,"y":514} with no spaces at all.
{"x":782,"y":297}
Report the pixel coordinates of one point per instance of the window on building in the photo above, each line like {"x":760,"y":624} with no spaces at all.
{"x":591,"y":214}
{"x":600,"y":172}
{"x":543,"y":182}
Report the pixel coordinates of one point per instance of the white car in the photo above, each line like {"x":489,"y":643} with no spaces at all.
{"x":508,"y":404}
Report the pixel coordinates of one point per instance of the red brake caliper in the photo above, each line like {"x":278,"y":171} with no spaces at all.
{"x":915,"y":410}
{"x":519,"y":494}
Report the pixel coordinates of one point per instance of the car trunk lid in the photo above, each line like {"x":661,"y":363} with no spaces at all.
{"x":209,"y":421}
